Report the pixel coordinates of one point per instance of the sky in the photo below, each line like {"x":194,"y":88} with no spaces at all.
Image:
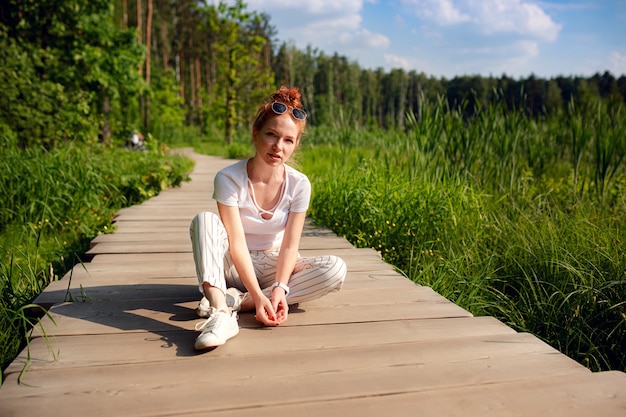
{"x":448,"y":38}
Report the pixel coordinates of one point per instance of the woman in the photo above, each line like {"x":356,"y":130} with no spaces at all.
{"x":247,"y":258}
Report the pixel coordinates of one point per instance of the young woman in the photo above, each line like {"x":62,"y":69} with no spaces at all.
{"x":247,"y":257}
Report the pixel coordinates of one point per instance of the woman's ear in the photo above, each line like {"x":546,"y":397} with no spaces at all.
{"x":254,"y":133}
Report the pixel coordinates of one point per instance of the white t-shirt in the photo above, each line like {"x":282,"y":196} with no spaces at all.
{"x":231,"y":189}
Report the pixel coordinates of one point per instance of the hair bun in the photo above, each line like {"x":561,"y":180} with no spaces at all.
{"x":291,"y":96}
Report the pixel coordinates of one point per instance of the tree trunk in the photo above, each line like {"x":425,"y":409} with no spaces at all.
{"x":139,"y":39}
{"x":124,"y":14}
{"x":192,"y":90}
{"x":164,"y":45}
{"x":181,"y":74}
{"x":199,"y":91}
{"x":146,"y":122}
{"x":105,"y":133}
{"x":139,"y":25}
{"x":231,"y":98}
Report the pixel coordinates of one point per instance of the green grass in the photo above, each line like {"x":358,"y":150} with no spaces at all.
{"x":54,"y":203}
{"x":504,"y":215}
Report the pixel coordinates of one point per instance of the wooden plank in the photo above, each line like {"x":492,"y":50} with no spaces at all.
{"x":132,"y":287}
{"x":580,"y":395}
{"x":346,"y":359}
{"x":103,"y":282}
{"x":149,"y":242}
{"x":171,"y":290}
{"x":160,"y":228}
{"x":162,"y":246}
{"x":140,"y":259}
{"x":324,"y":375}
{"x":168,"y":345}
{"x":180,"y":234}
{"x":99,"y":317}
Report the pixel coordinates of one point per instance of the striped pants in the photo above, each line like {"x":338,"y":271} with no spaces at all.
{"x":313,"y":277}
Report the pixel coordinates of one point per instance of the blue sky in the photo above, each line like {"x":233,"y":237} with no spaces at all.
{"x":447,"y":38}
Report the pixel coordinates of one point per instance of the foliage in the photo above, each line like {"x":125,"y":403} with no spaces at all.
{"x":237,"y":50}
{"x":71,"y":73}
{"x":500,"y":213}
{"x":68,"y":66}
{"x":168,"y":113}
{"x":55,"y":203}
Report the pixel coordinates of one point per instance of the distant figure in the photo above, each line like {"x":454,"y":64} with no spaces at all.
{"x":247,"y":256}
{"x":137,"y":141}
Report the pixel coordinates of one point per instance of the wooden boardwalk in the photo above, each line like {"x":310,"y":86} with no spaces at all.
{"x":383,"y":346}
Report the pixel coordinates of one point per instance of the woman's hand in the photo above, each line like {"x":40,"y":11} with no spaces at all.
{"x":265,"y":312}
{"x":279,"y":304}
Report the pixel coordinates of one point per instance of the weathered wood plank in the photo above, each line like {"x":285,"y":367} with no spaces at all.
{"x":597,"y":395}
{"x":324,"y":375}
{"x":75,"y":351}
{"x":146,"y":241}
{"x":100,"y":317}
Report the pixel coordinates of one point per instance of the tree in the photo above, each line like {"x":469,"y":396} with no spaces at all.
{"x":554,"y":103}
{"x":78,"y":67}
{"x":239,"y":51}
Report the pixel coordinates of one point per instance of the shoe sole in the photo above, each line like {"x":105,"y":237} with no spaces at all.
{"x":198,"y":346}
{"x":209,"y":345}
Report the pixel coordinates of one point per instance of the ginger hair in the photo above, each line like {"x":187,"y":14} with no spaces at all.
{"x":288,"y":96}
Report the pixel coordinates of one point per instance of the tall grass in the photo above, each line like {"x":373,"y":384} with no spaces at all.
{"x":53,"y":203}
{"x":505,"y":215}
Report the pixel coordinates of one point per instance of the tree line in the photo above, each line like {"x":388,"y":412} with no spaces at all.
{"x":99,"y":69}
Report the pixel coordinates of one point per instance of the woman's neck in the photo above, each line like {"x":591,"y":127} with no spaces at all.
{"x":260,"y":172}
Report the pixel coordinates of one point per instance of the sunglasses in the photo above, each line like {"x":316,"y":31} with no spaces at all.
{"x":281,"y":108}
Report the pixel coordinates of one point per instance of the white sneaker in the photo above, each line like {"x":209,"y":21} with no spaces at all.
{"x":234,"y":298}
{"x":203,"y":308}
{"x":217,"y":329}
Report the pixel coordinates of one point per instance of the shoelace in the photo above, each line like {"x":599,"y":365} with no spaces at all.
{"x":213,"y":317}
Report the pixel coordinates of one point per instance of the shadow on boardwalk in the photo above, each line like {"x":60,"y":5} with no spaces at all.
{"x":381,"y":346}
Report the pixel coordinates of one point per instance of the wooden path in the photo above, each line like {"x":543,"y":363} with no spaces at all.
{"x":381,"y":347}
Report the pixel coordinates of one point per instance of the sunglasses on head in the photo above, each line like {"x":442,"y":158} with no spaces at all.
{"x":281,"y":108}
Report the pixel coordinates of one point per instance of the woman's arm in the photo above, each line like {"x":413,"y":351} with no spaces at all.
{"x":243,"y":263}
{"x":287,"y":262}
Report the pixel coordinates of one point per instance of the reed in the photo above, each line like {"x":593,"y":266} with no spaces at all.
{"x":505,"y":215}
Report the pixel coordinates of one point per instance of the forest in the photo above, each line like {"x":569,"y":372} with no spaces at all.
{"x":85,"y":70}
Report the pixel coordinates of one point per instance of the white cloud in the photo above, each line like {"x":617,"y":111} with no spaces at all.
{"x":316,"y":7}
{"x":617,"y":64}
{"x":490,"y":16}
{"x":312,"y":13}
{"x":395,"y":61}
{"x":314,"y":22}
{"x":442,"y":12}
{"x":513,"y":16}
{"x":364,"y":39}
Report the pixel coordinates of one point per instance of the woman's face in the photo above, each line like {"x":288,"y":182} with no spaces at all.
{"x":276,"y":141}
